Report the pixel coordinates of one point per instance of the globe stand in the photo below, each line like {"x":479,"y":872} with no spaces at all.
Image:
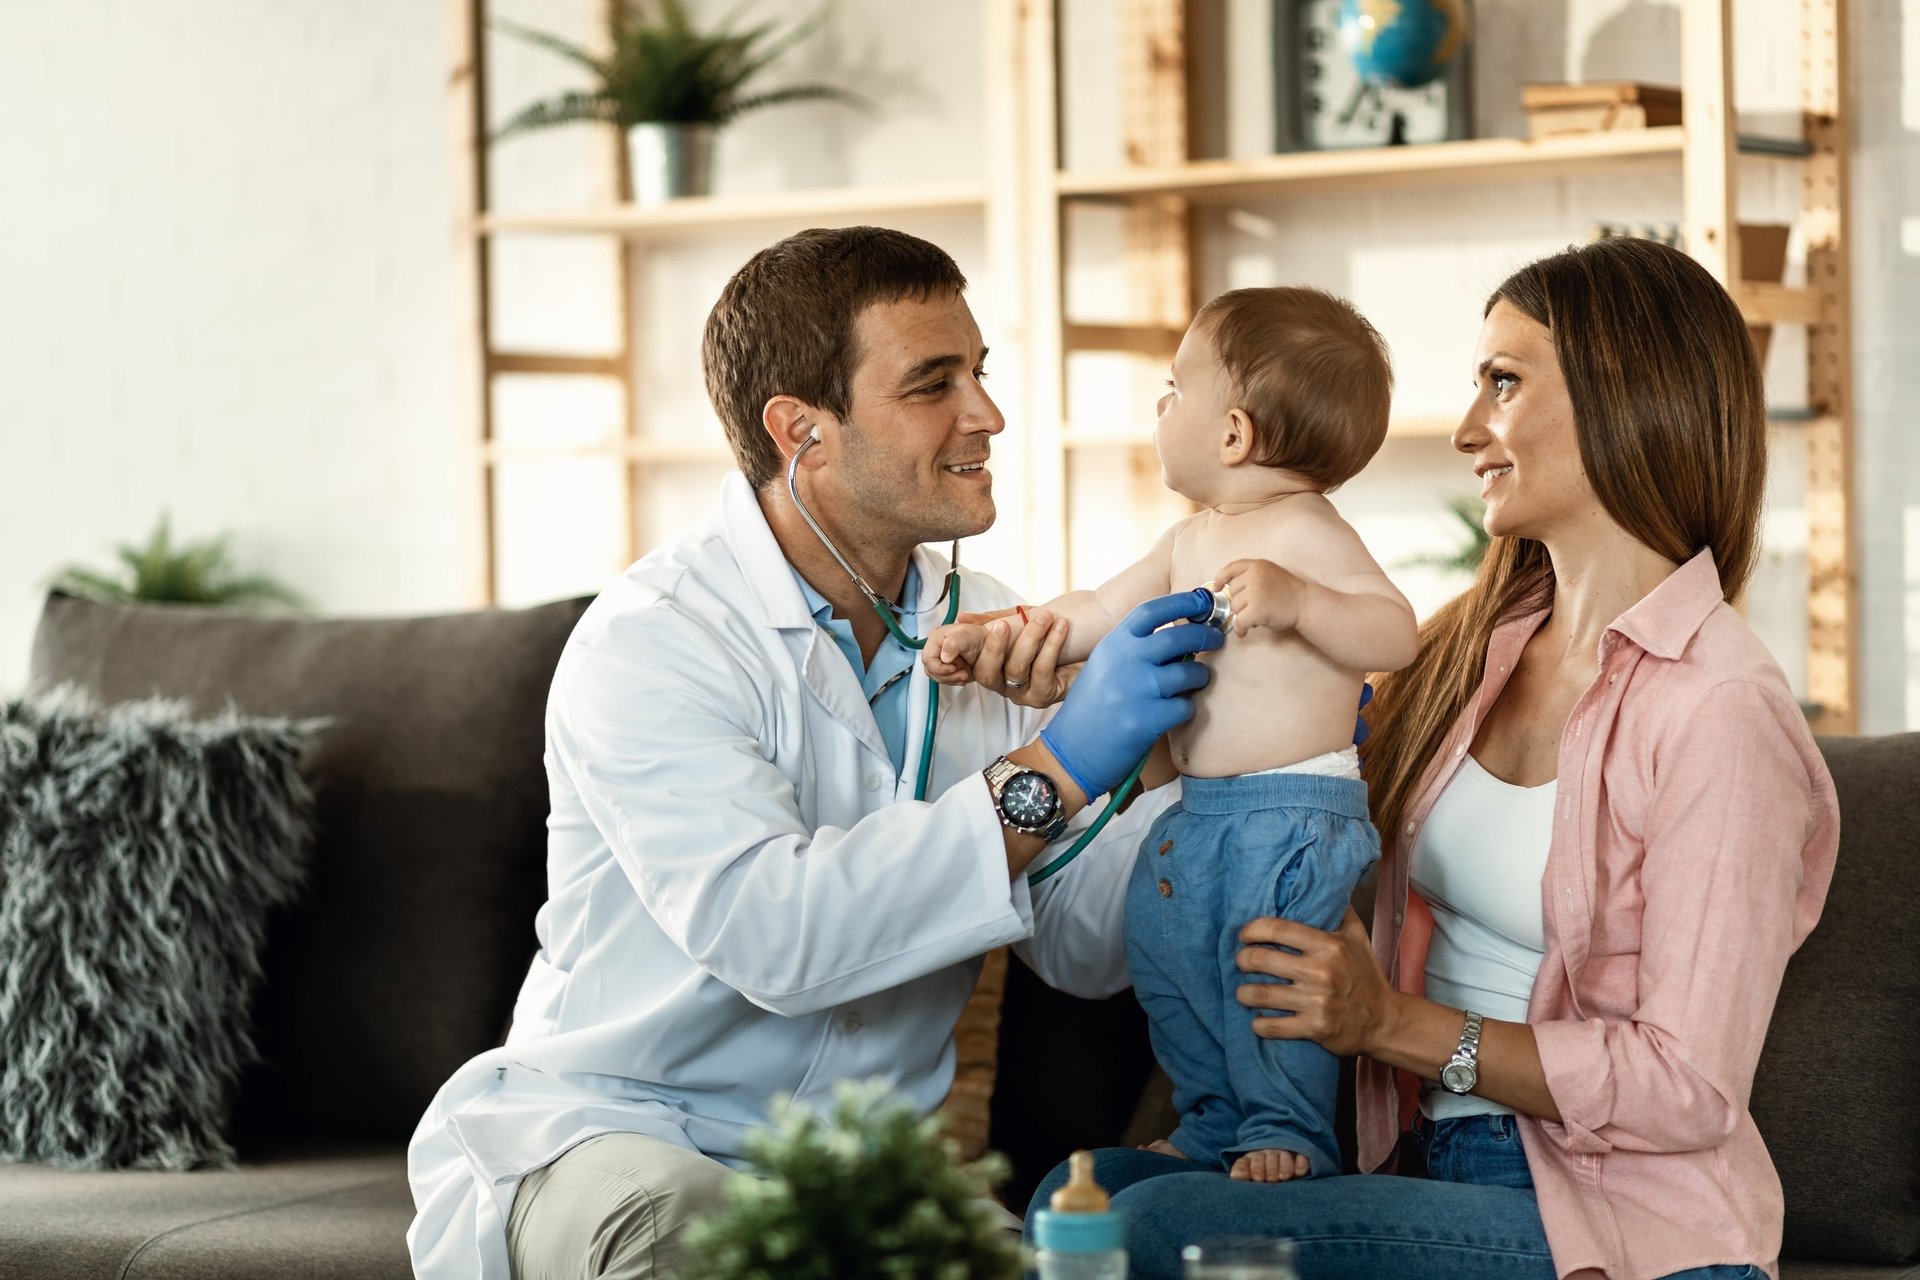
{"x":1367,"y":94}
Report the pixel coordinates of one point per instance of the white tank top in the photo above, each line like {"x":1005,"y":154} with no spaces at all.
{"x":1478,"y":863}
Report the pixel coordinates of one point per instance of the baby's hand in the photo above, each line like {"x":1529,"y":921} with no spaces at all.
{"x":1263,"y":595}
{"x":951,"y":651}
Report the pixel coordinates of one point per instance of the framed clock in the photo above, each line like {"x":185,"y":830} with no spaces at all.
{"x":1321,"y":103}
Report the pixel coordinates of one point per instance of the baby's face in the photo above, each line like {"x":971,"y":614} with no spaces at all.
{"x":1193,"y":417}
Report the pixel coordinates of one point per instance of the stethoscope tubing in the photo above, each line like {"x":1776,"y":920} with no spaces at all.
{"x":889,"y":617}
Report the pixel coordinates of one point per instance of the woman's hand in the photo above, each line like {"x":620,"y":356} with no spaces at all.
{"x":1339,"y":998}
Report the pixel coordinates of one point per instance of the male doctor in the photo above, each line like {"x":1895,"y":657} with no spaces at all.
{"x":744,"y":897}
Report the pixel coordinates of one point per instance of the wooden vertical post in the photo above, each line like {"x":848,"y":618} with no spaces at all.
{"x":1158,"y":230}
{"x":1709,"y":162}
{"x":615,"y":187}
{"x":1045,"y":301}
{"x":1832,"y":586}
{"x":1008,"y":210}
{"x":473,"y":406}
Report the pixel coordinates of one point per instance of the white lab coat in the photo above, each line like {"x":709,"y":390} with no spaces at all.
{"x":744,"y":900}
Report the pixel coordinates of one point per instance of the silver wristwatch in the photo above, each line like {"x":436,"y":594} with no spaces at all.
{"x":1027,"y":800}
{"x":1462,"y":1071}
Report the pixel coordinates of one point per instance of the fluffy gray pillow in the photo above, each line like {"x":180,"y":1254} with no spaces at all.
{"x":140,"y":852}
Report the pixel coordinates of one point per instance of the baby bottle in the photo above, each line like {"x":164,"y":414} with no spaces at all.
{"x":1079,"y":1237}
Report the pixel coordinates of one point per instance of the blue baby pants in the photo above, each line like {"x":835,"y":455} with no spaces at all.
{"x":1234,"y":849}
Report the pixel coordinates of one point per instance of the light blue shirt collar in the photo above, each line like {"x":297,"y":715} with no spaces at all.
{"x":886,"y":679}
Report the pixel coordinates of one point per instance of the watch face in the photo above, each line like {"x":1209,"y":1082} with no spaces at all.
{"x":1323,"y":103}
{"x":1459,"y":1077}
{"x":1029,"y":800}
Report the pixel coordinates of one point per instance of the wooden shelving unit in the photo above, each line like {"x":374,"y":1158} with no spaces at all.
{"x":634,"y":228}
{"x":1161,"y":185}
{"x":1025,"y":193}
{"x":699,"y":215}
{"x":1317,"y":172}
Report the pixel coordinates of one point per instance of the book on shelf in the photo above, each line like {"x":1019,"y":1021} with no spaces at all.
{"x":1600,"y":106}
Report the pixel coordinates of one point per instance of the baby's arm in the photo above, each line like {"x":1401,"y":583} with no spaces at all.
{"x":1091,"y":614}
{"x":1348,"y":609}
{"x":951,"y":650}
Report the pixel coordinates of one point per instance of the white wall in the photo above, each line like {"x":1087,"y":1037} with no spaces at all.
{"x":225,"y":276}
{"x":224,"y":283}
{"x":1886,"y":282}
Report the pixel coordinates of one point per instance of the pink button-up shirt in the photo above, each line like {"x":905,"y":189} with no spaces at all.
{"x":1694,"y":834}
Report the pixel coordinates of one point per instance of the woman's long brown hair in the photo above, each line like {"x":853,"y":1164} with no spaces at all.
{"x":1671,"y":418}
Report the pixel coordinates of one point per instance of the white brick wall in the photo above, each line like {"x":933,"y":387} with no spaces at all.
{"x":224,"y":284}
{"x":1886,"y":353}
{"x":224,"y":272}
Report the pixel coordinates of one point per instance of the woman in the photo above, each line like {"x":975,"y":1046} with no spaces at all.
{"x":1605,"y":829}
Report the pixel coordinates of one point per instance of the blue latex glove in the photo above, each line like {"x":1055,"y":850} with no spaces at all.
{"x":1132,"y":690}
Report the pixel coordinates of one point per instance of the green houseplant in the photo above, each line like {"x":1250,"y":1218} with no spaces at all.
{"x":1471,"y":513}
{"x":193,"y":573}
{"x":669,"y":85}
{"x":869,"y":1192}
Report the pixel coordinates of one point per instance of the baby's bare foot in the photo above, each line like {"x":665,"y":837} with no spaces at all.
{"x":1269,"y":1166}
{"x":1164,"y":1147}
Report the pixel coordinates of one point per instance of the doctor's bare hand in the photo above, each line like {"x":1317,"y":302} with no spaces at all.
{"x":1336,"y":993}
{"x":1020,"y":658}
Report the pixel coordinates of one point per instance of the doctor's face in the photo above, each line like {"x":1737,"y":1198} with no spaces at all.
{"x":921,"y":425}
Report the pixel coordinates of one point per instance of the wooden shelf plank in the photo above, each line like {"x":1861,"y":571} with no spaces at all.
{"x":696,"y":215}
{"x":540,"y":362}
{"x":650,"y":452}
{"x":1764,"y":303}
{"x":1476,"y":160}
{"x":1152,"y":340}
{"x":1142,"y":437}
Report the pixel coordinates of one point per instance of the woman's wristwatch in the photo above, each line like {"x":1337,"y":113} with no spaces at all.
{"x":1462,"y":1071}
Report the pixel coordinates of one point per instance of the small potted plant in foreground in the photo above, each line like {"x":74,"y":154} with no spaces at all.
{"x":670,"y":87}
{"x":869,"y":1192}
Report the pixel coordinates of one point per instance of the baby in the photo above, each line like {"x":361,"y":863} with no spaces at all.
{"x":1277,"y":396}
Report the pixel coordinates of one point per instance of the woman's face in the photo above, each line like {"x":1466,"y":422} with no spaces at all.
{"x":1520,"y":433}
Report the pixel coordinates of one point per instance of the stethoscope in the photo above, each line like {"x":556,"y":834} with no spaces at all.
{"x":890,"y":612}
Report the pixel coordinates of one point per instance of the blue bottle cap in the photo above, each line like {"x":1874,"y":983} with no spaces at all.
{"x":1060,"y":1232}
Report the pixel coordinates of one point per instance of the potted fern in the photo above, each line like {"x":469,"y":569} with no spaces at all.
{"x":670,"y":86}
{"x":161,"y":573}
{"x":1471,"y":515}
{"x":868,"y":1192}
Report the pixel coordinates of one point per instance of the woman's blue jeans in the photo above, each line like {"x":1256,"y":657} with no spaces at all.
{"x":1473,"y":1216}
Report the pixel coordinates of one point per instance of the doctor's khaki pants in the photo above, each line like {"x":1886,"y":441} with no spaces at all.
{"x":614,"y":1207}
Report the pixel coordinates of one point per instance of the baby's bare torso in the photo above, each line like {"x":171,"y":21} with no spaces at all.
{"x":1274,"y":698}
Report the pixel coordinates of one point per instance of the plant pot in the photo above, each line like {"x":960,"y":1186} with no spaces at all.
{"x":667,"y":161}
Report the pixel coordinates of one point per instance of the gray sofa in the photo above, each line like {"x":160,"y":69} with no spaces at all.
{"x":403,"y":955}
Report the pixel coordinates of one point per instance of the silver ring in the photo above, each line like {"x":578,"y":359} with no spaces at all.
{"x":1011,"y":683}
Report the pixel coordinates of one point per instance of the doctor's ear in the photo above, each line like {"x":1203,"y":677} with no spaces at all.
{"x":791,"y":423}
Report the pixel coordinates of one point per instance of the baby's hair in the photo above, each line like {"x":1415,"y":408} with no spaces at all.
{"x":1311,"y":373}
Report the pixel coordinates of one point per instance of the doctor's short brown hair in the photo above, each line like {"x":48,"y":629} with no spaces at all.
{"x":784,"y":325}
{"x":1310,"y":372}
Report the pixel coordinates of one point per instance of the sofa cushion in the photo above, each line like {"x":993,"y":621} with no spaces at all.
{"x":402,"y":958}
{"x":1071,"y":1072}
{"x":339,"y":1214}
{"x":1838,"y":1090}
{"x":140,"y":852}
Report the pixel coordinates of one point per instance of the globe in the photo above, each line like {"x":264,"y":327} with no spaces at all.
{"x":1402,"y":43}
